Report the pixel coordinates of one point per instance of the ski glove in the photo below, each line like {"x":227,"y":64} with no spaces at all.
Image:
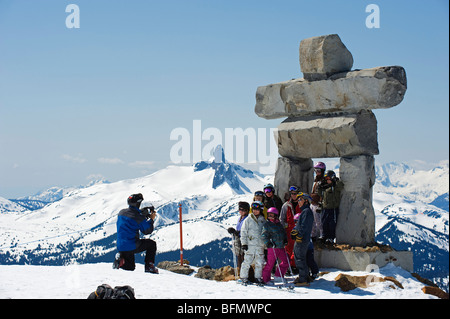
{"x":245,"y":247}
{"x":232,"y":231}
{"x":295,"y":236}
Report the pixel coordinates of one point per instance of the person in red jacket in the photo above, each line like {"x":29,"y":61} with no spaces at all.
{"x":288,"y":211}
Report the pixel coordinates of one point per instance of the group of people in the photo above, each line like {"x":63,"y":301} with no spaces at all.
{"x":268,"y":230}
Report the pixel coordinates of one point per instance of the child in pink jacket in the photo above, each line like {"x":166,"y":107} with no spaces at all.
{"x":275,"y":239}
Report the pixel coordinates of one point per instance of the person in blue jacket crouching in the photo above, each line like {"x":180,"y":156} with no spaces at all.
{"x":130,"y":221}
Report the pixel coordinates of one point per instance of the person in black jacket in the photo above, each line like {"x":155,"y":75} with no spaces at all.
{"x":330,"y":191}
{"x":130,"y":222}
{"x":272,"y":200}
{"x":302,"y":236}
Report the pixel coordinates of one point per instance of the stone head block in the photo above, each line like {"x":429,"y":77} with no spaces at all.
{"x":323,"y":56}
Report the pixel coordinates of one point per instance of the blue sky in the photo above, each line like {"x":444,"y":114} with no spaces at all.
{"x":102,"y":100}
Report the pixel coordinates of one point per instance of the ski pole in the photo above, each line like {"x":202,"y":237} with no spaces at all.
{"x":234,"y":258}
{"x":278,"y":265}
{"x":289,"y":262}
{"x":181,"y":235}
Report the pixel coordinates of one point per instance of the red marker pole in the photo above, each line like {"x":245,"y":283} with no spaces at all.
{"x":181,"y":236}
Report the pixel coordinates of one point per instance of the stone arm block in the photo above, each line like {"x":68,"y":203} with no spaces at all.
{"x":349,"y":92}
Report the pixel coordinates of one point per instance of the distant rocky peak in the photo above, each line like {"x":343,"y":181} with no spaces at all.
{"x":219,"y":154}
{"x":224,"y":171}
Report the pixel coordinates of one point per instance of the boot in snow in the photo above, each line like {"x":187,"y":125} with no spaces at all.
{"x":259,"y":282}
{"x":118,"y":261}
{"x":299,"y":283}
{"x":243,"y":281}
{"x":150,"y":267}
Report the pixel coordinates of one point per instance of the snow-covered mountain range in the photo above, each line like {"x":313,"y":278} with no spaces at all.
{"x":412,"y":213}
{"x":81,"y":225}
{"x":411,"y":210}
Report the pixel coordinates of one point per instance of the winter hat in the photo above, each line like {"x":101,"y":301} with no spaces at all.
{"x":269,"y":187}
{"x":294,"y":189}
{"x":273,"y":210}
{"x":257,"y":204}
{"x":259,"y":193}
{"x":244,"y":205}
{"x":320,"y":165}
{"x":330,"y":174}
{"x":135,"y":200}
{"x":304,"y":196}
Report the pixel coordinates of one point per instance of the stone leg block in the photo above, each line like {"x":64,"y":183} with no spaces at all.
{"x":299,"y":172}
{"x":356,"y":222}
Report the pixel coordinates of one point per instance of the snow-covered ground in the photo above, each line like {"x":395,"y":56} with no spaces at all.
{"x":88,"y":215}
{"x":78,"y":281}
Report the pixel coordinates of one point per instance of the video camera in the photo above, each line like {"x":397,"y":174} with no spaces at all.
{"x":323,"y":185}
{"x":147,"y":211}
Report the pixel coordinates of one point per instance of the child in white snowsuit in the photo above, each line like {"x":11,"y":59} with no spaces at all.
{"x":252,"y":243}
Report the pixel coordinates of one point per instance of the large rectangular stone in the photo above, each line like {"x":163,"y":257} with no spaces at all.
{"x":356,"y":222}
{"x":297,"y":172}
{"x":363,"y":260}
{"x":328,"y":136}
{"x":349,"y":92}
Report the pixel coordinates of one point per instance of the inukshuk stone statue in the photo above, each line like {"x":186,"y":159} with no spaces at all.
{"x":329,"y":115}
